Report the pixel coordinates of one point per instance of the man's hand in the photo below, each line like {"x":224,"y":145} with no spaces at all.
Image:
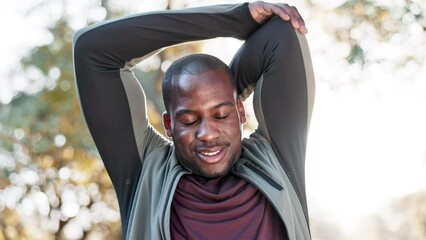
{"x":263,"y":11}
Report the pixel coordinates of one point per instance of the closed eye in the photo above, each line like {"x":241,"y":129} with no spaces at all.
{"x":189,"y":123}
{"x":221,"y":116}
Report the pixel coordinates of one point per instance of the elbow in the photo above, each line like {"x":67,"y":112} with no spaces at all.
{"x":82,"y":43}
{"x":87,"y":42}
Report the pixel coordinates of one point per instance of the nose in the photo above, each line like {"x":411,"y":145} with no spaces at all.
{"x":207,"y":131}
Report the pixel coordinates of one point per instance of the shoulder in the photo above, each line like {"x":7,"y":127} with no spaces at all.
{"x":257,"y":146}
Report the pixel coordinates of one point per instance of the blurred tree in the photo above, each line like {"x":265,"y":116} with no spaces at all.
{"x":372,"y":20}
{"x":53,"y":184}
{"x":404,"y":219}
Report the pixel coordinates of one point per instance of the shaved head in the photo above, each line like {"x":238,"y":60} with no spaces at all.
{"x":193,"y":64}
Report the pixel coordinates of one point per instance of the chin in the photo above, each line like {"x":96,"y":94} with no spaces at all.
{"x":215,"y":173}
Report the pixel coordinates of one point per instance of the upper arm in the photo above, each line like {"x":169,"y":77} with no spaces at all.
{"x":283,"y":98}
{"x":113,"y":106}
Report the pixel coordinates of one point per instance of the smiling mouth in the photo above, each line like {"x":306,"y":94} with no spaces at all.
{"x":210,"y":153}
{"x":211,"y":156}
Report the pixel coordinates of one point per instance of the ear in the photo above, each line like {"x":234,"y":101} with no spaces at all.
{"x":167,"y":124}
{"x":241,"y":110}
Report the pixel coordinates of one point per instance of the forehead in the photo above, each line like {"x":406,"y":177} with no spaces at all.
{"x":214,"y":80}
{"x":208,"y":88}
{"x":211,"y":78}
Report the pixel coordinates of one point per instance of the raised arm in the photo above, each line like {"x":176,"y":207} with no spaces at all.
{"x":277,"y":58}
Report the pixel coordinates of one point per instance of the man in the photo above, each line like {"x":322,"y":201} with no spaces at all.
{"x":207,"y":184}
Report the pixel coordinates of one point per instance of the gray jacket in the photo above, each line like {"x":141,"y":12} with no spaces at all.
{"x":150,"y":218}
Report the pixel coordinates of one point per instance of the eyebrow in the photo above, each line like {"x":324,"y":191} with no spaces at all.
{"x":188,"y":111}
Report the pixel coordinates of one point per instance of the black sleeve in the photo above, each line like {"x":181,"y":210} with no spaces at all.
{"x":276,"y":57}
{"x":111,"y":98}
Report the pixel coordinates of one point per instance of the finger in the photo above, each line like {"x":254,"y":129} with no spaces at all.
{"x":295,"y":18}
{"x":281,"y":12}
{"x":300,"y":21}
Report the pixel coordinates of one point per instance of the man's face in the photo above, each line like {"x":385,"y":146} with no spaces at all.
{"x":204,"y":119}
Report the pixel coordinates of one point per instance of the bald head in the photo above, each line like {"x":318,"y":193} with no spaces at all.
{"x":194,"y":64}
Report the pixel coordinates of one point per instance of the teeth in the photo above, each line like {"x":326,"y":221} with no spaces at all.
{"x":210,"y":153}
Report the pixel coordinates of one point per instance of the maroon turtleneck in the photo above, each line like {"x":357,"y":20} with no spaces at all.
{"x":224,"y":208}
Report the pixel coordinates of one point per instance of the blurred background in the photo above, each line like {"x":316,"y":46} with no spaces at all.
{"x":366,"y":160}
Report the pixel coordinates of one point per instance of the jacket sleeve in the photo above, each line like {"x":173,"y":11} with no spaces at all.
{"x":111,"y":98}
{"x":276,"y":59}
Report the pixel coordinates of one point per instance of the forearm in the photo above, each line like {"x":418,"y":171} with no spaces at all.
{"x":116,"y":42}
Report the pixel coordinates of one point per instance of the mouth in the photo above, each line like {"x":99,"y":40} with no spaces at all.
{"x":212,"y":155}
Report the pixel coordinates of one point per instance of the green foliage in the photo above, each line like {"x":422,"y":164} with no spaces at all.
{"x":367,"y":20}
{"x":356,"y":55}
{"x":53,"y":175}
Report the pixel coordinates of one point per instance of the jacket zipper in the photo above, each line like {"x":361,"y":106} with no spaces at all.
{"x":263,"y":175}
